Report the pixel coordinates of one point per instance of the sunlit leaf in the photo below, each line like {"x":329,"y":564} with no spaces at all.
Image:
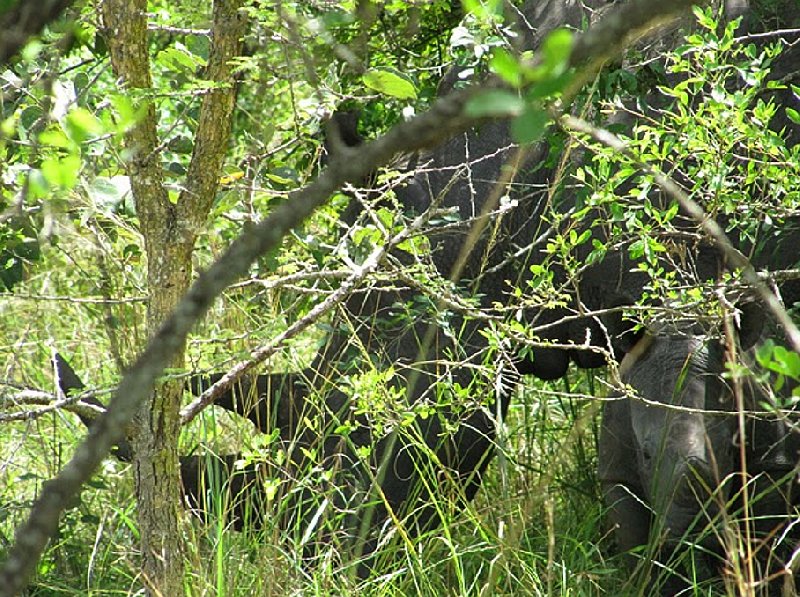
{"x":62,"y":172}
{"x":389,"y":83}
{"x":555,"y":51}
{"x":82,"y":125}
{"x":506,"y":67}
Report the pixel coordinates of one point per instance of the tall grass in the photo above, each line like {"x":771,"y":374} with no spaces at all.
{"x":536,"y":526}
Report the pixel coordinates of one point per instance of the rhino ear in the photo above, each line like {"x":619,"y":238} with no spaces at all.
{"x":624,"y":333}
{"x":750,"y":323}
{"x":68,"y":380}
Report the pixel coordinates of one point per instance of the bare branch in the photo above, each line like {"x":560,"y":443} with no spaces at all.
{"x":49,"y":403}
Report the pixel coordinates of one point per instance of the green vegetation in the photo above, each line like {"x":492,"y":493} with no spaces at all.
{"x":74,"y":265}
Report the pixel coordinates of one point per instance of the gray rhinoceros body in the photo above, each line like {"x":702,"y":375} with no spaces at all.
{"x":674,"y":457}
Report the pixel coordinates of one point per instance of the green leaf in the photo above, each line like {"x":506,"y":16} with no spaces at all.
{"x":31,"y":50}
{"x":336,"y":18}
{"x":62,"y":172}
{"x":793,"y":115}
{"x":495,"y":103}
{"x":275,"y":177}
{"x":506,"y":67}
{"x":484,"y":9}
{"x":583,"y":237}
{"x":82,"y":125}
{"x":386,"y":217}
{"x":81,"y":82}
{"x":550,"y":86}
{"x":636,"y":249}
{"x":764,"y":352}
{"x":786,"y":362}
{"x":127,"y":114}
{"x":30,"y":116}
{"x":37,"y":185}
{"x":180,"y":59}
{"x":389,"y":83}
{"x":55,"y":138}
{"x":555,"y":51}
{"x":109,"y":192}
{"x":530,"y":125}
{"x":704,"y":18}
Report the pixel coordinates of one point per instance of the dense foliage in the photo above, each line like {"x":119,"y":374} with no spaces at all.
{"x":73,"y":265}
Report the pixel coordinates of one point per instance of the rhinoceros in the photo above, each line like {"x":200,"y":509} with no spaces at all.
{"x":674,"y":459}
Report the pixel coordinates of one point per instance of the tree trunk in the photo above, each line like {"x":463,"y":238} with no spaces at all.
{"x":168,"y":249}
{"x":169,"y":231}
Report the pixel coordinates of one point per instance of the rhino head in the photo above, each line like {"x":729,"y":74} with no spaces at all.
{"x":681,"y":431}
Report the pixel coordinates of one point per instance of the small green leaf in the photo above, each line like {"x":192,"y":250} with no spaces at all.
{"x":82,"y":125}
{"x":786,"y":362}
{"x":389,"y":83}
{"x":30,"y":116}
{"x":109,"y":192}
{"x":37,"y":185}
{"x":81,"y":82}
{"x":483,"y":9}
{"x":530,"y":125}
{"x":176,"y":168}
{"x":62,"y":173}
{"x":793,"y":115}
{"x":31,"y":50}
{"x":336,"y":18}
{"x":585,"y":235}
{"x":127,"y":113}
{"x":54,"y":138}
{"x":506,"y":67}
{"x":550,"y":86}
{"x":704,"y":18}
{"x":495,"y":103}
{"x":636,"y":249}
{"x":180,"y":59}
{"x":386,"y":217}
{"x":556,"y":49}
{"x":274,"y":177}
{"x":764,"y":352}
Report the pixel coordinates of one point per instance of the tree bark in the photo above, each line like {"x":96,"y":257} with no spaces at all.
{"x":169,"y":232}
{"x":168,"y":248}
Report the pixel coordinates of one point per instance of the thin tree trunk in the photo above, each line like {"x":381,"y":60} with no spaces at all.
{"x":168,"y":249}
{"x":169,"y":231}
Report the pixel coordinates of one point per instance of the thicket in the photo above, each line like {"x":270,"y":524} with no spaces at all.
{"x":73,"y":264}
